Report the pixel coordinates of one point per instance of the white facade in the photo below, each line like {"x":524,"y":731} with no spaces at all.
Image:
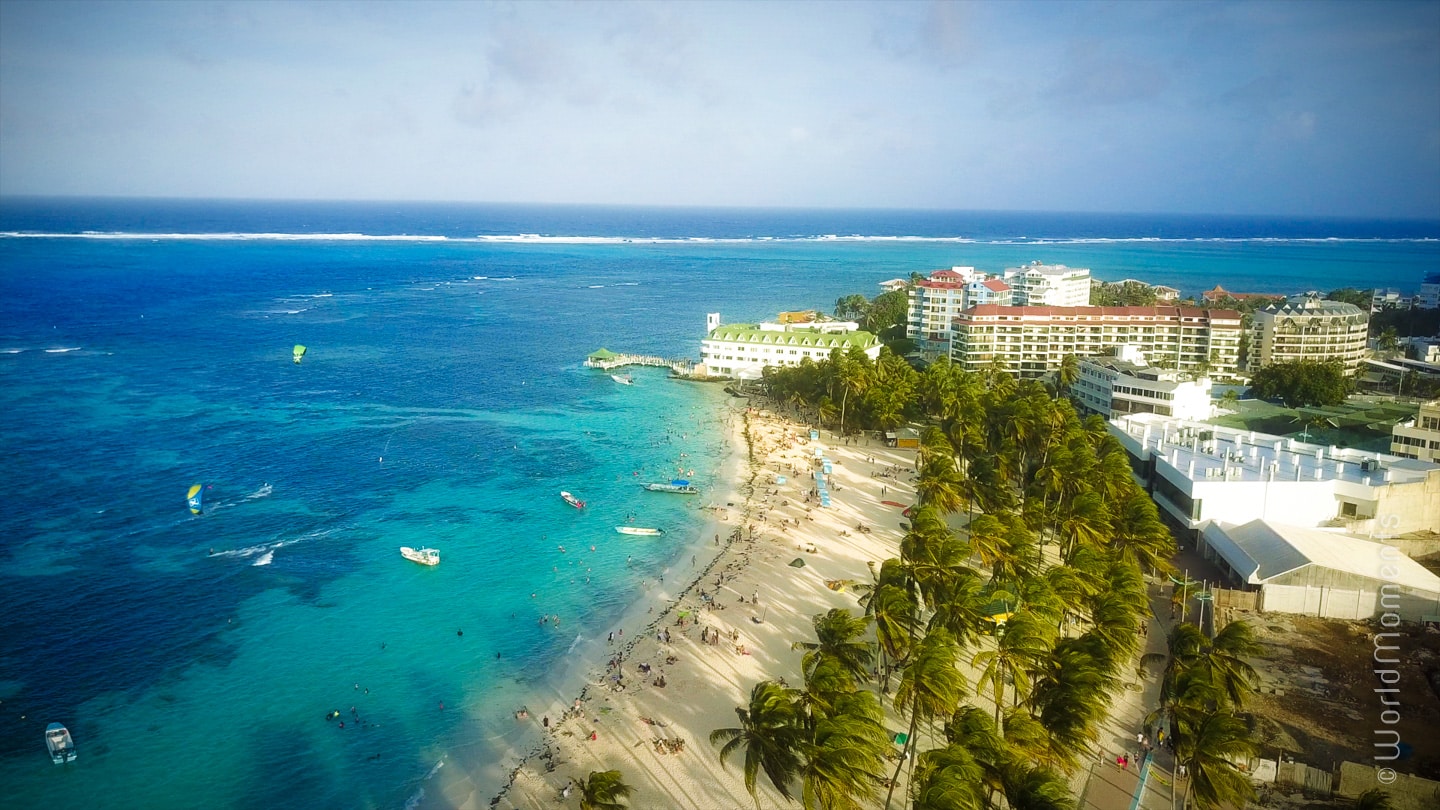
{"x":743,"y":350}
{"x":988,"y":291}
{"x":1321,"y":573}
{"x":1030,"y":341}
{"x":1048,"y":285}
{"x":1309,"y":329}
{"x":1429,"y":297}
{"x":1198,"y":472}
{"x":934,"y":303}
{"x":1419,"y":438}
{"x":891,"y":285}
{"x":1112,"y":386}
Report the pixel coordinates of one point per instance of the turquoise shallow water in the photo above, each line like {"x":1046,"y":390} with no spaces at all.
{"x":132,"y":367}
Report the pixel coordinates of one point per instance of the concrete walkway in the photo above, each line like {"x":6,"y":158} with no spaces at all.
{"x":1107,"y":785}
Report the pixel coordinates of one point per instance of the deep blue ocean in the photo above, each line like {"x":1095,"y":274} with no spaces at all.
{"x":146,"y":346}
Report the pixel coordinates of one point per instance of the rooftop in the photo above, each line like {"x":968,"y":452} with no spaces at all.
{"x":1268,"y":550}
{"x":1204,"y":451}
{"x":1315,"y":306}
{"x":1106,"y":313}
{"x":1220,"y":292}
{"x":817,"y":335}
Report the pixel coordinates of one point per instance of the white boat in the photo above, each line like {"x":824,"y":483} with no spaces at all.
{"x":623,"y":379}
{"x":572,"y":500}
{"x":424,"y":556}
{"x":638,"y":530}
{"x":677,"y":486}
{"x":57,"y":740}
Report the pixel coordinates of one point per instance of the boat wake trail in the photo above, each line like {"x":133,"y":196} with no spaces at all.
{"x":260,"y":493}
{"x":266,"y":558}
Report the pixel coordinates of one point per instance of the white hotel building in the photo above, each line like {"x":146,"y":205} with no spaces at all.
{"x":1198,"y":473}
{"x":1029,"y":341}
{"x":934,"y":303}
{"x":743,"y":350}
{"x":1117,"y":386}
{"x":1048,"y":285}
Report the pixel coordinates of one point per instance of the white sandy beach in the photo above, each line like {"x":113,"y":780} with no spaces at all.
{"x":658,"y":737}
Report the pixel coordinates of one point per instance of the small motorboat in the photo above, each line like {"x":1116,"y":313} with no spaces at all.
{"x":623,"y":379}
{"x":424,"y":556}
{"x":638,"y":530}
{"x":678,"y":486}
{"x":572,"y":500}
{"x":57,"y":740}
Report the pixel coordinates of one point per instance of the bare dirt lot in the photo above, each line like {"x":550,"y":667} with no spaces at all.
{"x":1318,"y":702}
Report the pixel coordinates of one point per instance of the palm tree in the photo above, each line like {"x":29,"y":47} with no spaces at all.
{"x":839,"y":635}
{"x":931,"y":686}
{"x":1373,"y":799}
{"x":1021,"y":646}
{"x":894,"y":608}
{"x":1069,"y":696}
{"x":1209,"y":744}
{"x":1068,"y":375}
{"x":948,"y":778}
{"x":1225,"y":659}
{"x":941,"y":484}
{"x":1088,"y":523}
{"x":844,"y":762}
{"x":604,"y":790}
{"x":772,"y":734}
{"x":1035,"y":787}
{"x":1140,"y":536}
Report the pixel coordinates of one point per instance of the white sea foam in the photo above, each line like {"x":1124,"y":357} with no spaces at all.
{"x":266,"y":558}
{"x":63,"y":350}
{"x":597,"y":286}
{"x":11,"y":351}
{"x":260,"y":493}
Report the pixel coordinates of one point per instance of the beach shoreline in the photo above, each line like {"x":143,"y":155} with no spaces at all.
{"x":695,"y":652}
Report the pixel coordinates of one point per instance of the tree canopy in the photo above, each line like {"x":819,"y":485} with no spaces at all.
{"x":1304,"y":383}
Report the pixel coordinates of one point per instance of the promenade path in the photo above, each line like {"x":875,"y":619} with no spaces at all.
{"x":1144,"y":785}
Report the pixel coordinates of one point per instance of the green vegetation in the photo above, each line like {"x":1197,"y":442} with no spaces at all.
{"x":1041,"y":594}
{"x":1350,"y":295}
{"x":884,"y":315}
{"x":604,"y":790}
{"x":1304,"y":383}
{"x":1406,"y":322}
{"x":1127,"y":294}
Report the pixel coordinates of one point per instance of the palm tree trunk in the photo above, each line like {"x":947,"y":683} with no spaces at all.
{"x":909,"y":744}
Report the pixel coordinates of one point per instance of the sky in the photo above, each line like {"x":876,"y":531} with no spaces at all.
{"x":1251,"y":108}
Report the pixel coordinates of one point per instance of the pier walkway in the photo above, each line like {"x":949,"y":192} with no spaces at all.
{"x":605,"y":360}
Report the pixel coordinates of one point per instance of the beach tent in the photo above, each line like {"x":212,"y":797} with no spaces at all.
{"x":797,"y":563}
{"x":602,"y":354}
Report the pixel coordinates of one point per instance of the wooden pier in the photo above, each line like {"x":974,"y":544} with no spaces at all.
{"x":606,"y":360}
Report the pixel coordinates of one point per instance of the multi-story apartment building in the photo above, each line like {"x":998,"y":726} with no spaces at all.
{"x":1116,"y":386}
{"x":1419,"y":438}
{"x":1048,"y":285}
{"x":1029,"y":341}
{"x":1308,"y":328}
{"x":1429,"y":297}
{"x":987,"y":291}
{"x":934,"y":303}
{"x":743,"y":350}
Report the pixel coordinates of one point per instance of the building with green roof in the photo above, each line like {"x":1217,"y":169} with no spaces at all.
{"x":743,"y":350}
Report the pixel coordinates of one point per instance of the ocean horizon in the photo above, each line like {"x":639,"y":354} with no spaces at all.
{"x":145,"y":346}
